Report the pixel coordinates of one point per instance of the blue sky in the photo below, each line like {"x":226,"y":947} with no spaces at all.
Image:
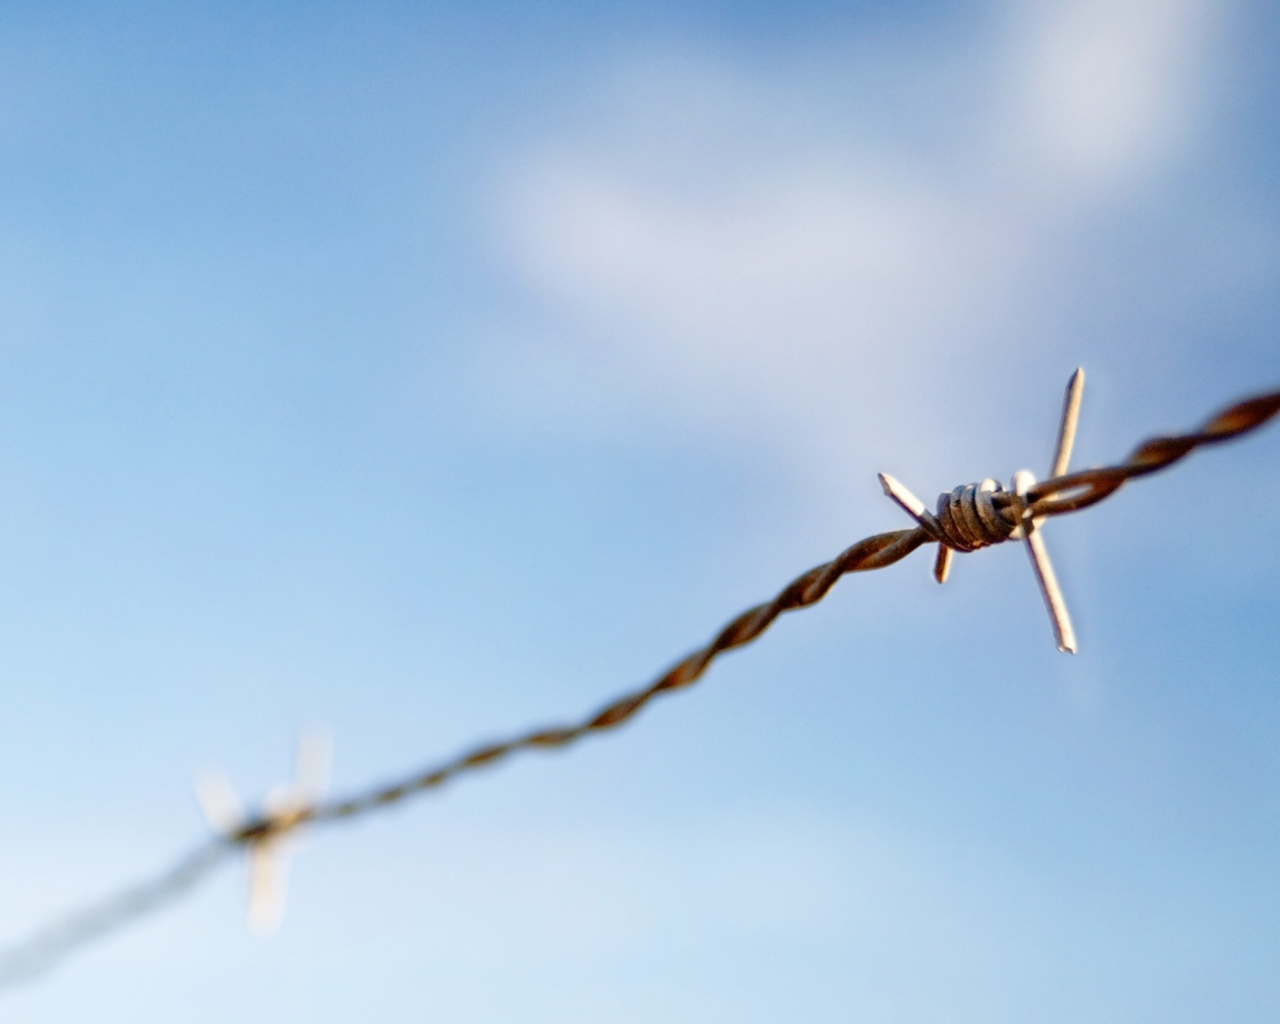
{"x":434,"y":371}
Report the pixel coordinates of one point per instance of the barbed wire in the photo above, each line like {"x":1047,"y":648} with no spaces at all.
{"x":967,"y":518}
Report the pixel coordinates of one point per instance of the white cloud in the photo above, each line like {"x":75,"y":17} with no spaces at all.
{"x":1109,"y":83}
{"x":755,"y":253}
{"x":733,"y":293}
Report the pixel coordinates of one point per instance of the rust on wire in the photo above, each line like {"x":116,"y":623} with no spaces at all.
{"x":967,"y":519}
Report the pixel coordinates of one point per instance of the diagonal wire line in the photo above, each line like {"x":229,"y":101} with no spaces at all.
{"x":872,"y":553}
{"x":1150,"y":456}
{"x":47,"y":947}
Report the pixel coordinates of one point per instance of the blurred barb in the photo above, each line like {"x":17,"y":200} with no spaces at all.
{"x":45,"y":948}
{"x":271,"y":838}
{"x":969,"y":517}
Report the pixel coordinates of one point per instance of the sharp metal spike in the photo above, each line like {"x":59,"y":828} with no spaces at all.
{"x":1023,"y":481}
{"x":910,"y":504}
{"x":1067,"y":428}
{"x":942,"y":564}
{"x":907,"y":501}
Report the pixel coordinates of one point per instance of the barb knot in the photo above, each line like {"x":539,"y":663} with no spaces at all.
{"x":975,"y":516}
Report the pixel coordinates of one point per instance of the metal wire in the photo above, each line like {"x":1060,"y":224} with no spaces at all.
{"x":1056,"y":496}
{"x":873,"y":553}
{"x":1095,"y":484}
{"x":47,"y":947}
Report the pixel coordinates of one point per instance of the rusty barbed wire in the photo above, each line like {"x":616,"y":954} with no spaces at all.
{"x":968,"y":518}
{"x":873,"y":553}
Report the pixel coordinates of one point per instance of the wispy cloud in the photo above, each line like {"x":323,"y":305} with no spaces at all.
{"x":1110,"y":88}
{"x":802,"y":254}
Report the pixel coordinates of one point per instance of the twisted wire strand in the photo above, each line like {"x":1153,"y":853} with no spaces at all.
{"x":1152,"y":455}
{"x":46,"y":947}
{"x":872,"y":553}
{"x":982,"y":526}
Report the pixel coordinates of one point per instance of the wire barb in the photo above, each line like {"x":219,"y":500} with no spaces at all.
{"x":1055,"y":603}
{"x":968,"y":518}
{"x":270,"y":838}
{"x":980,"y":515}
{"x":1067,"y":428}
